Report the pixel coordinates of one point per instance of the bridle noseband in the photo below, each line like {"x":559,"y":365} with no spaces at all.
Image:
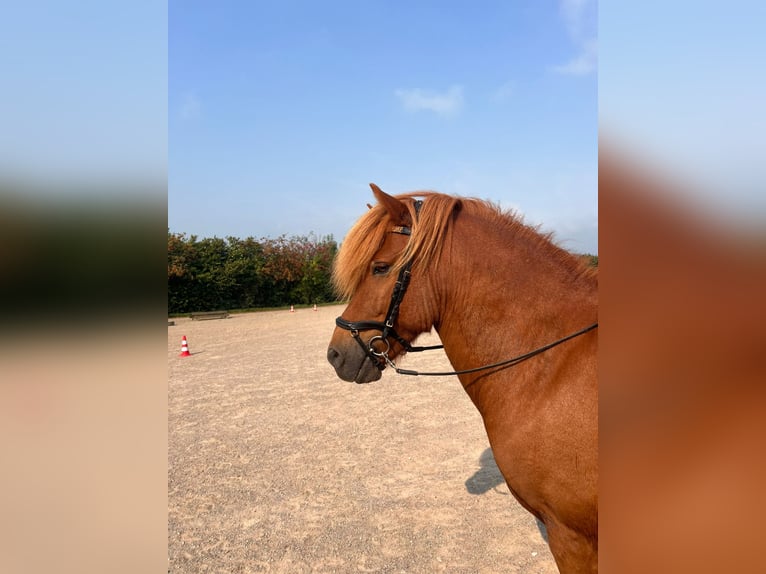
{"x":380,"y":358}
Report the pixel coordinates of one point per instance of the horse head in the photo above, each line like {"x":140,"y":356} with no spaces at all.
{"x":388,"y":296}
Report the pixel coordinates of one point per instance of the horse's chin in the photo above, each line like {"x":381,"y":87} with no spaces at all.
{"x":354,"y":369}
{"x":368,"y":373}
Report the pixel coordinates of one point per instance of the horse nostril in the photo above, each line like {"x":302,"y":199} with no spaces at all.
{"x":334,"y":357}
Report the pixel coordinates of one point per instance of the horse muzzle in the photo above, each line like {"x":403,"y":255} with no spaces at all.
{"x":352,"y":364}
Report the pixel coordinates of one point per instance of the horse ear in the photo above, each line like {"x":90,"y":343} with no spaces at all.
{"x":397,"y":209}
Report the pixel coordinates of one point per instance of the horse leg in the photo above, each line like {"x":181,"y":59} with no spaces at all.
{"x":573,"y":552}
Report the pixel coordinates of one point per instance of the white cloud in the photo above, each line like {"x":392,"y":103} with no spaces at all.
{"x":191,"y":107}
{"x":580,"y":20}
{"x":576,"y":14}
{"x":446,"y":104}
{"x":584,"y":63}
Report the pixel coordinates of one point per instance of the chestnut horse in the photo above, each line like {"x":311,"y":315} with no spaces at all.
{"x":516,"y":315}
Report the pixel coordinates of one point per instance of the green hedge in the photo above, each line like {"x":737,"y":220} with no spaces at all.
{"x":212,"y":273}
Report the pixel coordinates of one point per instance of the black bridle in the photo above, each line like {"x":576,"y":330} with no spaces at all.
{"x":380,"y":358}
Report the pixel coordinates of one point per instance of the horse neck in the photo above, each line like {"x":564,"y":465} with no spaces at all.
{"x":503,"y":292}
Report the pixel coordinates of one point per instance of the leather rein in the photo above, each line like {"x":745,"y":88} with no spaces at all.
{"x":380,"y":358}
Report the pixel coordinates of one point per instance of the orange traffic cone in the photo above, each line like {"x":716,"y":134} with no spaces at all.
{"x":184,"y":348}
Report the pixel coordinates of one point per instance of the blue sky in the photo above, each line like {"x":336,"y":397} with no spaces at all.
{"x":281,"y":113}
{"x":83,"y":93}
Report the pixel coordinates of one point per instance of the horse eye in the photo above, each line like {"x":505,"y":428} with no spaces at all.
{"x":380,"y":268}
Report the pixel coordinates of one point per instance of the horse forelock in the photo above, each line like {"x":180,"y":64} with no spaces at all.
{"x":362,"y":241}
{"x":368,"y":234}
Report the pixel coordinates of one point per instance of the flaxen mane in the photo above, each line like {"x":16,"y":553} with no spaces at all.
{"x":430,"y":227}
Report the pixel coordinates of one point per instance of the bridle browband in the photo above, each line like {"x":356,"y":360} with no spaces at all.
{"x":380,"y":358}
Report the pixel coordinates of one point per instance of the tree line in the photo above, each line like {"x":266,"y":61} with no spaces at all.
{"x":212,"y":273}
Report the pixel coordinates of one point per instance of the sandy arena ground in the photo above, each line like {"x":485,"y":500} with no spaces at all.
{"x":276,"y":465}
